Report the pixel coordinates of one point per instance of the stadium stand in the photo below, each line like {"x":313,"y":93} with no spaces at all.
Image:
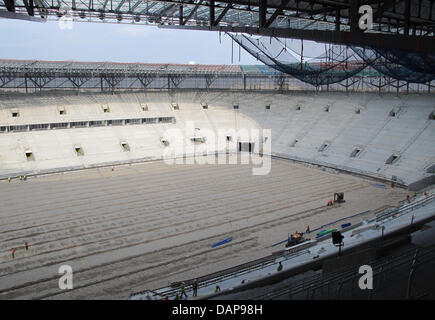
{"x":380,"y":136}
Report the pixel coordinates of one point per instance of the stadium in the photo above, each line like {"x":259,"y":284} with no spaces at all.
{"x":159,"y":181}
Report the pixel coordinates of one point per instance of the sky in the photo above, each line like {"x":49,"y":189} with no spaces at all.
{"x":115,"y":42}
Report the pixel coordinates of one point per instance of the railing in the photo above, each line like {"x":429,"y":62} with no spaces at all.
{"x":395,"y":212}
{"x":348,"y":275}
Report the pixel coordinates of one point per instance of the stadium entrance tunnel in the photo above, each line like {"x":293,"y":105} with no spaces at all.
{"x":246,"y":147}
{"x":356,"y":152}
{"x":395,"y":111}
{"x":293,"y":143}
{"x":79,"y":150}
{"x":324,"y":146}
{"x":125,"y":146}
{"x":29,"y":155}
{"x":198,"y":139}
{"x":105,"y":108}
{"x":392,"y":159}
{"x":62,"y":111}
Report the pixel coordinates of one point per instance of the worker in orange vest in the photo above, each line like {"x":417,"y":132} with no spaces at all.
{"x":308,"y":229}
{"x":13,"y":253}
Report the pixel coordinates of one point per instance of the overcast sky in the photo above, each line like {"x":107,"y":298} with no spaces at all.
{"x":114,"y":42}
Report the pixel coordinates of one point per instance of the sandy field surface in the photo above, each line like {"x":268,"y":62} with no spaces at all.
{"x":145,"y":225}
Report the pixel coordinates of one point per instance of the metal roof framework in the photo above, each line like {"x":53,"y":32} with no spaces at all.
{"x":111,"y":76}
{"x":401,"y":24}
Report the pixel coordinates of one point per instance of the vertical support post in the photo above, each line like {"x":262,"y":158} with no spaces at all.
{"x":354,"y":6}
{"x":407,"y":15}
{"x":262,"y":13}
{"x":212,"y":13}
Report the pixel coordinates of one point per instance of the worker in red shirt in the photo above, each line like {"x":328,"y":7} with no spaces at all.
{"x":13,"y":253}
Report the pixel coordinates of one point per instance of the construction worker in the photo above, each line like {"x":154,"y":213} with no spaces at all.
{"x":25,"y":178}
{"x":407,"y":198}
{"x":177,"y":297}
{"x":195,"y":288}
{"x":13,"y":253}
{"x":217,"y":289}
{"x":308,"y":229}
{"x":279,"y":266}
{"x":183,"y":290}
{"x":21,"y":178}
{"x":26,"y":245}
{"x":9,"y":179}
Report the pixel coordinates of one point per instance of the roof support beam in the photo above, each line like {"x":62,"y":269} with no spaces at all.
{"x":277,"y":12}
{"x":380,"y":40}
{"x":136,"y":5}
{"x":192,"y":13}
{"x":120,"y":5}
{"x":379,"y":12}
{"x":262,"y":13}
{"x":29,"y":7}
{"x":353,"y":14}
{"x":105,"y":4}
{"x":165,"y":10}
{"x":407,"y":16}
{"x":223,"y":13}
{"x":212,"y":13}
{"x":10,"y":5}
{"x":180,"y":15}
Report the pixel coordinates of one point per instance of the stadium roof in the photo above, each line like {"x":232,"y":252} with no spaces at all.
{"x":401,"y":24}
{"x":71,"y":67}
{"x":76,"y":66}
